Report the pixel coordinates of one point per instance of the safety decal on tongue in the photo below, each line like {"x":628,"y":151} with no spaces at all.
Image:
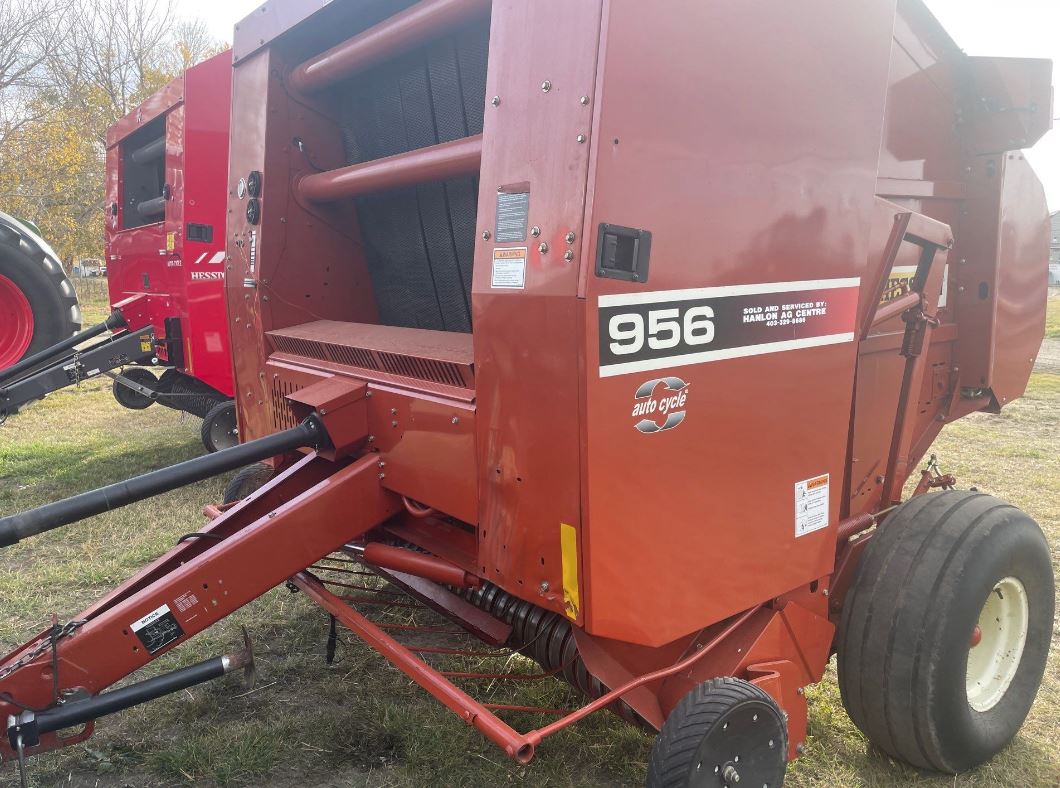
{"x":157,"y":629}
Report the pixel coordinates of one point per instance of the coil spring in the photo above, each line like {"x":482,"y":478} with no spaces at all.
{"x":548,"y":639}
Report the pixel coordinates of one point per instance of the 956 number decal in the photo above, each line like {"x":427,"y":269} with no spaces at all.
{"x":660,"y":329}
{"x":643,"y":331}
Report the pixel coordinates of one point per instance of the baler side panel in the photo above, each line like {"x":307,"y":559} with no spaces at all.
{"x":208,"y":103}
{"x":303,"y":262}
{"x":741,"y":182}
{"x":527,"y":340}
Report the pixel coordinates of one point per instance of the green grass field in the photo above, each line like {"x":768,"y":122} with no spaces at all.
{"x":359,"y":722}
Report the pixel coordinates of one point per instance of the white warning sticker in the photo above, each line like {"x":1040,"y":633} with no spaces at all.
{"x":811,"y":505}
{"x":150,"y":618}
{"x":509,"y":268}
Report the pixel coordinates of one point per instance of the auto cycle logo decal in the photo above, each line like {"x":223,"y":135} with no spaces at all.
{"x":659,"y":405}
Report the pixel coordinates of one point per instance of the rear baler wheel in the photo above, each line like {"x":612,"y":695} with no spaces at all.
{"x":38,"y":306}
{"x":946,"y":629}
{"x":130,"y":398}
{"x":725,"y":733}
{"x":219,"y":428}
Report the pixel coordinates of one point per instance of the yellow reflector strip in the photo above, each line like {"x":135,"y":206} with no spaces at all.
{"x":568,"y":543}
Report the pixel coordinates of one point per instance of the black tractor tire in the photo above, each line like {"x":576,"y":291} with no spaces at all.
{"x":246,"y":481}
{"x":130,"y":398}
{"x":219,"y":428}
{"x":924,"y":596}
{"x":722,"y":724}
{"x":40,"y":278}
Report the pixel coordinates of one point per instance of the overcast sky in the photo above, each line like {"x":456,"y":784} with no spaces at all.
{"x":1011,"y":28}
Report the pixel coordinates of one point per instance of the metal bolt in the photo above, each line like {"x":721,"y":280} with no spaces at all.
{"x":581,"y":138}
{"x":371,"y":438}
{"x":772,"y":744}
{"x":583,"y":100}
{"x":382,"y":463}
{"x":456,"y":419}
{"x":800,"y":691}
{"x":393,"y":424}
{"x":382,"y":476}
{"x":568,"y":255}
{"x":570,"y":237}
{"x":495,"y":101}
{"x":960,"y":289}
{"x":546,"y":86}
{"x":730,"y":774}
{"x":543,"y":247}
{"x":544,"y":586}
{"x":486,"y":235}
{"x":800,"y":749}
{"x":535,"y":231}
{"x":393,"y":411}
{"x":754,"y":718}
{"x":825,"y":592}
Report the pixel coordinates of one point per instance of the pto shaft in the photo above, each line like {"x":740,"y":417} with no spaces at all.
{"x":310,"y":433}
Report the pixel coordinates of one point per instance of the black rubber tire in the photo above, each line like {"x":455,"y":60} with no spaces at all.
{"x":246,"y":481}
{"x":676,"y":754}
{"x":908,"y":620}
{"x":51,"y":296}
{"x":219,"y":428}
{"x":127,"y":397}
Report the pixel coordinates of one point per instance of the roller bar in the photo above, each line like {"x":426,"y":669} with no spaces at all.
{"x":14,"y":528}
{"x":435,"y":163}
{"x":391,"y":37}
{"x":153,"y":207}
{"x":149,"y":152}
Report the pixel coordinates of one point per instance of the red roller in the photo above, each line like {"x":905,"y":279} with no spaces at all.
{"x":436,"y":163}
{"x":418,"y":564}
{"x":422,"y":22}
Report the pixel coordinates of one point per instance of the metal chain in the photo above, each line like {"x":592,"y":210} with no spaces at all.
{"x":46,"y":644}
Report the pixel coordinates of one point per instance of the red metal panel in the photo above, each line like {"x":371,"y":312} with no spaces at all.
{"x":181,"y":278}
{"x":301,"y":263}
{"x":741,"y":181}
{"x":527,"y":341}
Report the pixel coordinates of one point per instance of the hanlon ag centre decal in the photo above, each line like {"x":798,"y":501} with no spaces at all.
{"x":658,"y":405}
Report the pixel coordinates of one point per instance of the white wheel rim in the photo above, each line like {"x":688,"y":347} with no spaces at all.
{"x":997,"y":644}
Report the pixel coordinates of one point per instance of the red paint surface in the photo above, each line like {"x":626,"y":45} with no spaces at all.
{"x":187,"y":281}
{"x":16,"y":319}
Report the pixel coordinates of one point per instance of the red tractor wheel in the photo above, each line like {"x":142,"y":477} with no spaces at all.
{"x":16,"y":323}
{"x":38,"y":306}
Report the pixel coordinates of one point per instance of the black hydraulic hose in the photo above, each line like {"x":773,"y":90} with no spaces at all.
{"x":149,"y":208}
{"x":15,"y":527}
{"x":149,"y":152}
{"x":114,"y":321}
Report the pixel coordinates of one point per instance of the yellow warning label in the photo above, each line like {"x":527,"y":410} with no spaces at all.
{"x":145,"y":343}
{"x":568,"y":543}
{"x":171,"y":241}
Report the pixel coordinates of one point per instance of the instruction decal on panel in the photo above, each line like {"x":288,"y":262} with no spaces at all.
{"x":811,"y":505}
{"x":509,"y":268}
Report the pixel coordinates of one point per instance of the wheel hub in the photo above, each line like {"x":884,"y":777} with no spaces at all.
{"x":741,"y":750}
{"x":16,"y":323}
{"x":997,"y":644}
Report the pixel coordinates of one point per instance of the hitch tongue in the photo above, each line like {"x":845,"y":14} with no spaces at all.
{"x":25,"y":729}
